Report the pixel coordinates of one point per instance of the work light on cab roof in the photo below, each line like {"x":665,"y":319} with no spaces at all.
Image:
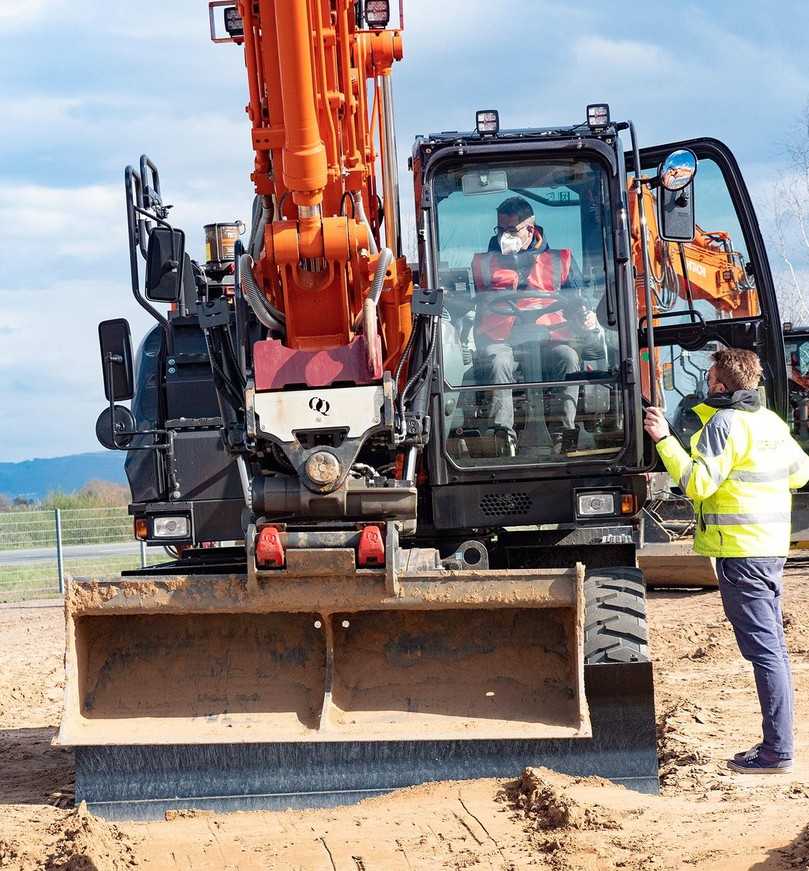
{"x":598,"y":116}
{"x":487,"y":122}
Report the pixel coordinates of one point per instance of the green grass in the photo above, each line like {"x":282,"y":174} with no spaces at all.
{"x":40,"y":580}
{"x":30,"y":529}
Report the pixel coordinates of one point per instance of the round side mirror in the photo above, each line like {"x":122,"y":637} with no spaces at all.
{"x":121,"y":422}
{"x":678,"y":169}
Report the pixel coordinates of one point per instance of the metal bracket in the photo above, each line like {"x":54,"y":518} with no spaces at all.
{"x":391,"y":557}
{"x":427,"y":301}
{"x":214,"y":314}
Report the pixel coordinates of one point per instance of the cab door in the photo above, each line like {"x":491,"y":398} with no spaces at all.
{"x":712,"y":292}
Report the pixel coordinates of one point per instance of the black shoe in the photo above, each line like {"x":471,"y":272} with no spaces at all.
{"x":753,"y":763}
{"x":740,"y":757}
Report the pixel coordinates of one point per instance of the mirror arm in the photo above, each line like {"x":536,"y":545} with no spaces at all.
{"x":133,"y":211}
{"x":111,"y":358}
{"x":688,"y":289}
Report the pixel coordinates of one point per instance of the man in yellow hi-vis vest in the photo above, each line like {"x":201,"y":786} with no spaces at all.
{"x":742,"y":465}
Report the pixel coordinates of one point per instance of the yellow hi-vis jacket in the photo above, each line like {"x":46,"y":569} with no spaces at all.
{"x":742,"y":466}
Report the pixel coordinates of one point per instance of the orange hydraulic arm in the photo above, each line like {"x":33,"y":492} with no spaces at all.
{"x":310,"y":69}
{"x":706,"y":268}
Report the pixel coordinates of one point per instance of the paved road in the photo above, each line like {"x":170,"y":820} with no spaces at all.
{"x":71,"y":552}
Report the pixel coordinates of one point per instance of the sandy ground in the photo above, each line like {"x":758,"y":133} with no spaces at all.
{"x":706,"y":818}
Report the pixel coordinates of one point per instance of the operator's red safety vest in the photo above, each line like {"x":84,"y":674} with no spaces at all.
{"x":493,"y":271}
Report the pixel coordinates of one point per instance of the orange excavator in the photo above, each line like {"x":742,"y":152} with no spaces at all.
{"x":707,"y":268}
{"x":400,"y":551}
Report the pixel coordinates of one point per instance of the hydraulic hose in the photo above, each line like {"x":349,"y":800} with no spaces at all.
{"x":379,"y":275}
{"x":261,"y":217}
{"x":359,"y":211}
{"x":268,"y":315}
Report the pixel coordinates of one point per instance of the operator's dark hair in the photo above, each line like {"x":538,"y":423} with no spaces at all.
{"x":517,"y":206}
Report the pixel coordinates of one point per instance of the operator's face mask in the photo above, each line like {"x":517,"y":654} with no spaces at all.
{"x":510,"y":243}
{"x":513,"y":239}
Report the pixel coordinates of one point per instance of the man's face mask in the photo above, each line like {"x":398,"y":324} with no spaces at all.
{"x":515,"y":237}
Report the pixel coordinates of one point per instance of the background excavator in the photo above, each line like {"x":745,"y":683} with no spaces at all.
{"x":395,"y":592}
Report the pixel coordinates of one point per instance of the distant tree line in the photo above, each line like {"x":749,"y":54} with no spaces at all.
{"x":94,"y":494}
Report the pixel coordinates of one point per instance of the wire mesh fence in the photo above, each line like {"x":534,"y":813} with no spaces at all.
{"x":39,"y":548}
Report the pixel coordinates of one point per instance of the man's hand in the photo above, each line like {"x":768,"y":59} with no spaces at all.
{"x":579,"y":316}
{"x":590,"y":321}
{"x":655,"y":424}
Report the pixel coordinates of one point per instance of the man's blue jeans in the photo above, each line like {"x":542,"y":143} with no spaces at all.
{"x":751,"y":596}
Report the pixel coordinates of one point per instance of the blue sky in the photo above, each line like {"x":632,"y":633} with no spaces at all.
{"x":86,"y":86}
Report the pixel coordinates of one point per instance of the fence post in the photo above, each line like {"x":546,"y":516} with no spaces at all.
{"x":60,"y":568}
{"x":143,"y":554}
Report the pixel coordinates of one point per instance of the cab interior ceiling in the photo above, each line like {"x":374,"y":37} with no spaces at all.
{"x":544,"y":171}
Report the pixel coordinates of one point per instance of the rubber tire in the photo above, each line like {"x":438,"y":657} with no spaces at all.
{"x":615,"y":627}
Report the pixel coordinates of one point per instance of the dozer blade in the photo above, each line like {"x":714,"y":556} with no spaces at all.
{"x":299,"y":690}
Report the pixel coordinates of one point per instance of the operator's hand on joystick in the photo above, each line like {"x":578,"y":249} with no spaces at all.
{"x":579,"y":316}
{"x":655,"y":424}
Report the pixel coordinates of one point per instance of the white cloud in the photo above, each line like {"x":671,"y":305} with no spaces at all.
{"x":23,"y":13}
{"x":621,"y":55}
{"x":50,"y":365}
{"x":76,"y":222}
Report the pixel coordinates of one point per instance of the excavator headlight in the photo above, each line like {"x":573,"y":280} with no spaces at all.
{"x":598,"y":116}
{"x":595,"y":504}
{"x":171,"y":527}
{"x":377,"y":13}
{"x":487,"y":122}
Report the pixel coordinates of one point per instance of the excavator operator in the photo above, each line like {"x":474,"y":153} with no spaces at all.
{"x":546,"y":346}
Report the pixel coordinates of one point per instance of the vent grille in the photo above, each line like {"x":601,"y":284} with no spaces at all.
{"x":499,"y":504}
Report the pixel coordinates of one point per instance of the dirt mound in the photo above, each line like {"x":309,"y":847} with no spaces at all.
{"x":680,"y":758}
{"x":544,"y":800}
{"x":82,"y":842}
{"x":698,"y":642}
{"x":796,"y":630}
{"x":796,"y":855}
{"x":569,"y":831}
{"x":9,"y":853}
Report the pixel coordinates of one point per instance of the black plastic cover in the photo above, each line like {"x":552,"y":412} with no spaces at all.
{"x":164,"y":257}
{"x":116,"y":359}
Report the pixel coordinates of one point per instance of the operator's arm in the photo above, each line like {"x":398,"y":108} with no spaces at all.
{"x":711,"y":460}
{"x":798,"y":466}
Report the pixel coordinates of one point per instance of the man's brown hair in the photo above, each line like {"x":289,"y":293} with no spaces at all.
{"x":737,"y":369}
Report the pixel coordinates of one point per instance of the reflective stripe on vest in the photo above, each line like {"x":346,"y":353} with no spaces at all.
{"x":747,"y":519}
